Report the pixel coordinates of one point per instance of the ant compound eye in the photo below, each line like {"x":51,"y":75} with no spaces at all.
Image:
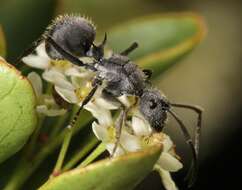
{"x":152,"y":104}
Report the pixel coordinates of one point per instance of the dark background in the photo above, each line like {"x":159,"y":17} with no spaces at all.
{"x":210,"y":76}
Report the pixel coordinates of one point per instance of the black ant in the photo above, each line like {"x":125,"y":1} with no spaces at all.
{"x":71,"y":37}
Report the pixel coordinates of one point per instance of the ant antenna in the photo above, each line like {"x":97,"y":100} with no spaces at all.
{"x":194,"y":166}
{"x":98,"y":51}
{"x":131,"y":48}
{"x":199,"y":111}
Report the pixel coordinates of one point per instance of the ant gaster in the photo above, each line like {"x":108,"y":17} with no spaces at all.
{"x":71,"y":37}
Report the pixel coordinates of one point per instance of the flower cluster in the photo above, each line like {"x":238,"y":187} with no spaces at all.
{"x":136,"y":134}
{"x":72,"y":83}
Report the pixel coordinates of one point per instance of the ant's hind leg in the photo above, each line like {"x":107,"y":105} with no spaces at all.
{"x":29,"y":50}
{"x":131,"y":48}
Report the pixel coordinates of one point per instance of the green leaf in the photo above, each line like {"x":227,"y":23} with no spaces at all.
{"x":17,"y":110}
{"x":2,"y":43}
{"x":120,"y":173}
{"x":162,"y":39}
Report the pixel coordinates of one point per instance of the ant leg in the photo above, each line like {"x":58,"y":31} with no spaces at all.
{"x":122,"y":117}
{"x":29,"y":50}
{"x":68,"y":55}
{"x":119,"y":126}
{"x":199,"y":111}
{"x":131,"y":48}
{"x":96,"y":84}
{"x":192,"y":173}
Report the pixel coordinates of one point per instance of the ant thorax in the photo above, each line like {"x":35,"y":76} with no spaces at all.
{"x":122,"y":76}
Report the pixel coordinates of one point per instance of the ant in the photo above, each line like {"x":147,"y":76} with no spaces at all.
{"x":71,"y":37}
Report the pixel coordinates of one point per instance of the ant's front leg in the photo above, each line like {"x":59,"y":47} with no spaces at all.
{"x":67,"y":55}
{"x":96,"y":83}
{"x":29,"y":49}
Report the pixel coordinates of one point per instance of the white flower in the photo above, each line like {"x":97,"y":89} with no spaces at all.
{"x":40,"y":60}
{"x":46,"y":104}
{"x":167,"y":181}
{"x":105,"y":131}
{"x":168,"y":161}
{"x":136,"y":134}
{"x":71,"y":82}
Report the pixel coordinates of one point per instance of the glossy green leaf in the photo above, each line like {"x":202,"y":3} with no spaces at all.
{"x":17,"y":110}
{"x":162,"y":39}
{"x":2,"y":43}
{"x":120,"y":173}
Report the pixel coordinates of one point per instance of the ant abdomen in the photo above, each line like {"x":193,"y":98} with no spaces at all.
{"x":75,"y":34}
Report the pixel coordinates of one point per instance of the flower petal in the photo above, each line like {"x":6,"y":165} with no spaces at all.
{"x":67,"y":95}
{"x":106,"y":104}
{"x":167,"y":180}
{"x":118,"y":152}
{"x":50,"y":112}
{"x":40,"y":50}
{"x":56,"y":77}
{"x":36,"y":82}
{"x":73,"y":71}
{"x":100,"y":132}
{"x":167,"y":143}
{"x":140,"y":126}
{"x":124,"y":99}
{"x":101,"y":114}
{"x":169,"y":163}
{"x":130,"y":142}
{"x":40,"y":61}
{"x":36,"y":61}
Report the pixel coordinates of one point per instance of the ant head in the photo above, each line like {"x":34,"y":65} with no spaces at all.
{"x":73,"y":33}
{"x":154,"y":107}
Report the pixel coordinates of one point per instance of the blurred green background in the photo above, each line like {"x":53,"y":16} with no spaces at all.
{"x":210,"y":76}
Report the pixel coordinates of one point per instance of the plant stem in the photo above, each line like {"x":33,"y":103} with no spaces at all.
{"x":61,"y":120}
{"x":59,"y":123}
{"x":63,"y":151}
{"x":92,"y":142}
{"x":66,"y":142}
{"x":26,"y":167}
{"x":97,"y":152}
